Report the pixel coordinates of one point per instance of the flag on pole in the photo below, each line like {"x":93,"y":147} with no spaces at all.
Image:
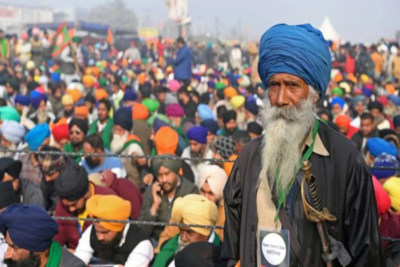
{"x":110,"y":37}
{"x":60,"y":39}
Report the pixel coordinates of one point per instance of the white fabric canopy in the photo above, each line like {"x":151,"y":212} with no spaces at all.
{"x":329,"y":31}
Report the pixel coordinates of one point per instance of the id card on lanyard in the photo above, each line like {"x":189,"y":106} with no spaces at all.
{"x":274,"y":247}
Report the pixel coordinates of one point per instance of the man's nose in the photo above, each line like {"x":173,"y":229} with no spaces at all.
{"x":282,"y":98}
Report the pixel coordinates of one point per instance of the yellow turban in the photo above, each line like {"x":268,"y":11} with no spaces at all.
{"x":75,"y":93}
{"x":237,"y":101}
{"x":392,"y":187}
{"x":195,"y":209}
{"x":230,"y":92}
{"x":67,"y":100}
{"x":109,"y":207}
{"x":364,"y":78}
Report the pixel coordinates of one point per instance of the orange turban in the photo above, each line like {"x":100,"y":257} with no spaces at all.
{"x":82,"y":111}
{"x":225,"y":81}
{"x":343,"y":121}
{"x":88,"y":71}
{"x":124,"y":63}
{"x":140,"y":112}
{"x":109,"y":207}
{"x":230,"y":92}
{"x":352,"y":78}
{"x":96,"y":71}
{"x":101,"y":94}
{"x":104,"y":63}
{"x":75,"y":93}
{"x":141,"y":78}
{"x":166,"y":140}
{"x":88,"y":80}
{"x":338,"y":77}
{"x":390,"y":88}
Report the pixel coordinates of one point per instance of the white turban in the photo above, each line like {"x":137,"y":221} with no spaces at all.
{"x":216,"y":177}
{"x":12,"y":131}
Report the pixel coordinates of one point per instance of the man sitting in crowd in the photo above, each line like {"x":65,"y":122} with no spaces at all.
{"x":29,"y":232}
{"x":77,"y":132}
{"x":26,"y":192}
{"x":191,"y":209}
{"x":158,"y":198}
{"x":74,"y":189}
{"x":125,"y":143}
{"x":115,"y":243}
{"x":94,"y":144}
{"x":12,"y":134}
{"x":198,"y":149}
{"x":104,"y":124}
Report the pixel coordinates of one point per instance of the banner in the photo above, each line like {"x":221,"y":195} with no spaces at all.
{"x":61,"y":39}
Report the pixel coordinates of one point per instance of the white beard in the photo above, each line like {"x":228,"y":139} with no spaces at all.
{"x":118,"y":142}
{"x":285,"y":132}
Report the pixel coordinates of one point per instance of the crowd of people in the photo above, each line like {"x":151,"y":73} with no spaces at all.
{"x":171,"y":119}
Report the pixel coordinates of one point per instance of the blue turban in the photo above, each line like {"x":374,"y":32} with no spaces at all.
{"x":23,"y":100}
{"x":37,"y":99}
{"x":367,"y":92}
{"x":395,"y":99}
{"x":251,"y":106}
{"x":130,"y":95}
{"x":29,"y":226}
{"x":338,"y":100}
{"x":359,"y":98}
{"x":376,"y":146}
{"x":211,"y":84}
{"x":300,"y":50}
{"x":384,"y":160}
{"x":158,"y":124}
{"x":198,"y":134}
{"x":205,"y":112}
{"x":396,"y":121}
{"x":37,"y":135}
{"x":211,"y":126}
{"x":55,"y":77}
{"x":123,"y":118}
{"x":50,"y":63}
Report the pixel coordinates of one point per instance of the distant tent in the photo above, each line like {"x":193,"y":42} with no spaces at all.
{"x":328,"y":31}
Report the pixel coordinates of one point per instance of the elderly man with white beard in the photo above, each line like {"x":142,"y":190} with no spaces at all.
{"x":125,"y":143}
{"x":263,"y":191}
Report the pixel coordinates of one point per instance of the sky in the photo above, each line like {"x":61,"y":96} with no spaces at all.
{"x":354,"y":20}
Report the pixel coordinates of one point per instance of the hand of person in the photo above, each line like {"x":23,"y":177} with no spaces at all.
{"x":148,"y":179}
{"x":156,"y":188}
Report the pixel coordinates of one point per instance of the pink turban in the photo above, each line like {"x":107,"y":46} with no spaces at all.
{"x":174,"y":85}
{"x":174,"y":110}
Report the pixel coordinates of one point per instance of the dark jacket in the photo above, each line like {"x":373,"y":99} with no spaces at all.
{"x":164,"y":212}
{"x":358,"y":139}
{"x":31,"y":193}
{"x":48,"y":191}
{"x":68,"y":232}
{"x":70,"y":260}
{"x":183,"y":64}
{"x":346,"y":189}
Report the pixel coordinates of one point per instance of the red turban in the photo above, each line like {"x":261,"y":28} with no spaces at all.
{"x":60,"y":132}
{"x":343,"y":121}
{"x":382,"y":198}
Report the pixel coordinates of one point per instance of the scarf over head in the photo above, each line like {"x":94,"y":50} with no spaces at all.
{"x":195,"y":209}
{"x":198,"y":134}
{"x":29,"y":226}
{"x":123,"y":118}
{"x":166,"y":140}
{"x":72,"y":184}
{"x":37,"y":135}
{"x":12,"y":131}
{"x":300,"y":50}
{"x":167,"y":162}
{"x":211,"y":126}
{"x":109,"y":207}
{"x":216,"y":178}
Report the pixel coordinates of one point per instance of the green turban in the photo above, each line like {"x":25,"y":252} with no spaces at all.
{"x":9,"y":113}
{"x":173,"y":165}
{"x":151,"y":104}
{"x":219,"y":86}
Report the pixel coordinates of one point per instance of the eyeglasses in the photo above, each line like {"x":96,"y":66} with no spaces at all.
{"x":74,"y":132}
